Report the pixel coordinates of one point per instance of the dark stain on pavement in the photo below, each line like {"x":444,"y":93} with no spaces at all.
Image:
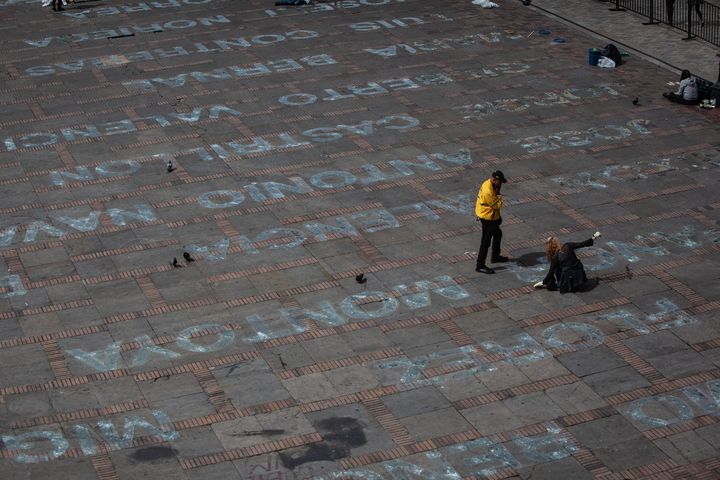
{"x":339,"y":434}
{"x":149,"y":454}
{"x":316,"y":452}
{"x":345,"y":431}
{"x":530,"y":259}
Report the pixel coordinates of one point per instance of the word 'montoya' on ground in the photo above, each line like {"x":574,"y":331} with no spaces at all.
{"x":365,"y":174}
{"x":285,"y":322}
{"x":371,"y":220}
{"x":261,"y":191}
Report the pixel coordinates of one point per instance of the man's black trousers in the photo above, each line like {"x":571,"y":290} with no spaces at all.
{"x":491,"y":234}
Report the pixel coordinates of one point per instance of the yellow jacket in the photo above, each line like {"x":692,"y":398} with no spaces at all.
{"x":489,"y":202}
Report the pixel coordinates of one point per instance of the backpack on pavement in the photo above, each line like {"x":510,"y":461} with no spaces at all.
{"x":611,"y":51}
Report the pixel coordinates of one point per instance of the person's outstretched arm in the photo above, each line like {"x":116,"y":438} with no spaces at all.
{"x":575,"y":245}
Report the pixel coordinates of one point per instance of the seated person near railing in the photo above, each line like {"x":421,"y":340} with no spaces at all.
{"x":687,"y":92}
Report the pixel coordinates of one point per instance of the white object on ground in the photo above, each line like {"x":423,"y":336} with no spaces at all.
{"x":539,"y":285}
{"x":485,"y":3}
{"x":606,"y":62}
{"x":596,"y":235}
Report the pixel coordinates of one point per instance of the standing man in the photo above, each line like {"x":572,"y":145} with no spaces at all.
{"x":487,"y":211}
{"x":669,"y":10}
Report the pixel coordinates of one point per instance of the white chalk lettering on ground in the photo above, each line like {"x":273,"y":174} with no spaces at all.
{"x":213,"y":252}
{"x":112,"y":168}
{"x":160,"y":26}
{"x":599,"y":179}
{"x":465,"y":359}
{"x":434,"y":44}
{"x":381,"y":87}
{"x":334,"y":133}
{"x":88,"y":223}
{"x":285,"y":322}
{"x":329,"y":7}
{"x":482,"y":457}
{"x":132,"y":8}
{"x":686,"y":237}
{"x":371,"y":26}
{"x":370,"y":221}
{"x":261,"y":191}
{"x":283,"y":237}
{"x":673,"y":409}
{"x":215,"y":151}
{"x":578,"y":138}
{"x":118,"y":127}
{"x":117,"y":60}
{"x":568,"y":336}
{"x":234,"y":72}
{"x":7,"y":3}
{"x":11,"y":286}
{"x":384,"y":87}
{"x":44,"y":445}
{"x":569,"y":96}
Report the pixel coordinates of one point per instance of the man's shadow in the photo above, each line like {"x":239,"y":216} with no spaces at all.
{"x":527,"y":260}
{"x":530,"y":259}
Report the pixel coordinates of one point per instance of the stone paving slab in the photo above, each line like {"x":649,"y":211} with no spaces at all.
{"x":313,"y":144}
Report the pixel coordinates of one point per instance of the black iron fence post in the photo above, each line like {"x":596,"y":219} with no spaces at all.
{"x":690,"y":36}
{"x":617,"y":7}
{"x":651,"y":20}
{"x":663,"y":11}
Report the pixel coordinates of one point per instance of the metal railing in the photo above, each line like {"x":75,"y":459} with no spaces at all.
{"x":698,"y":18}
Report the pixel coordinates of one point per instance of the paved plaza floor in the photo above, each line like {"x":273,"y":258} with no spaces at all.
{"x":319,"y":166}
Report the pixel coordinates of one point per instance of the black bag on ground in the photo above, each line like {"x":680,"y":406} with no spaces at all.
{"x":611,"y":51}
{"x":705,"y":89}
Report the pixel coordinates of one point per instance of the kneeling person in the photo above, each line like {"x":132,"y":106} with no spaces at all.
{"x":567,"y":273}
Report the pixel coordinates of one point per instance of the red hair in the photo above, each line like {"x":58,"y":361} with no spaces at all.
{"x":551,"y":247}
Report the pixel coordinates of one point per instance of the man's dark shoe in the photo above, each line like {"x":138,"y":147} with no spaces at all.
{"x":500,"y":259}
{"x":484,"y":269}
